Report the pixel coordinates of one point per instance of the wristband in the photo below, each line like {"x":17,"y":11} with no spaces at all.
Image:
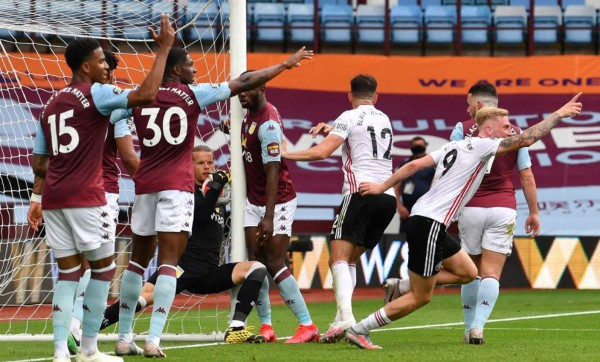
{"x":36,"y":198}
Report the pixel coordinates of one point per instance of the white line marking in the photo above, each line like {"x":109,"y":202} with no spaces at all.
{"x":543,"y":316}
{"x":432,"y":326}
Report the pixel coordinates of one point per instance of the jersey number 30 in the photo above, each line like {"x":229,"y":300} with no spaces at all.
{"x":166,"y":126}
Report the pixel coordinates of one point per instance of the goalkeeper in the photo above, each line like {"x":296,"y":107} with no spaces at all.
{"x":199,"y":269}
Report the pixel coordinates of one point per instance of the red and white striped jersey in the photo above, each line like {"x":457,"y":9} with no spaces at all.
{"x":461,"y":166}
{"x":367,"y":150}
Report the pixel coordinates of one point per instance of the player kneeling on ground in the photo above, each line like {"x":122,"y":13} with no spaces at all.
{"x":202,"y":273}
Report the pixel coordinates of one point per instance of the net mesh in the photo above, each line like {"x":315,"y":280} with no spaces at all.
{"x":33,"y":36}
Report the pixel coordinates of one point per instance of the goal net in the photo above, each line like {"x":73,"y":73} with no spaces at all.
{"x":33,"y":38}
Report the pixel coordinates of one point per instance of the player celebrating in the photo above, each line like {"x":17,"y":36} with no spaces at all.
{"x":460,"y":168}
{"x":77,"y":217}
{"x":117,"y":138}
{"x":487,"y":222}
{"x":164,"y":185}
{"x":366,"y":133}
{"x":200,"y":260}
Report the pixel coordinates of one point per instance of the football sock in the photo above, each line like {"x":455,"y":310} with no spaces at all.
{"x":468,"y":294}
{"x":263,"y":305}
{"x":248,"y":293}
{"x":131,"y":287}
{"x":164,"y":293}
{"x":352,"y":268}
{"x":342,"y":287}
{"x":111,"y":314}
{"x":62,"y":308}
{"x":93,"y":306}
{"x":375,"y":320}
{"x":290,"y":292}
{"x":78,"y":305}
{"x":486,"y":299}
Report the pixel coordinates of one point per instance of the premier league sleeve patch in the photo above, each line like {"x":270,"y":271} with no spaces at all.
{"x":117,"y":90}
{"x":273,"y":149}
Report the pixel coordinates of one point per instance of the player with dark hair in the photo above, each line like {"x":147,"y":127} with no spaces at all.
{"x":118,"y":138}
{"x":270,"y":209}
{"x":68,"y":169}
{"x":460,"y":169}
{"x":164,"y":184}
{"x":487,"y":222}
{"x":200,"y":272}
{"x":366,"y":135}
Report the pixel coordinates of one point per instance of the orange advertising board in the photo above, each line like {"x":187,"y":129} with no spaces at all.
{"x":331,"y":72}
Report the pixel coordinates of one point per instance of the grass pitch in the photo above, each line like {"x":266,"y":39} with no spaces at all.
{"x":553,"y":325}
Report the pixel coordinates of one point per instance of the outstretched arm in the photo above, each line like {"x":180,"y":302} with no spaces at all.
{"x":540,"y":130}
{"x":256,"y":78}
{"x":405,"y":171}
{"x":318,"y":152}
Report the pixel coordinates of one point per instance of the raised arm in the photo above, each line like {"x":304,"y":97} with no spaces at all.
{"x":251,"y":80}
{"x":318,"y":152}
{"x":540,"y":130}
{"x":148,"y":90}
{"x":405,"y":171}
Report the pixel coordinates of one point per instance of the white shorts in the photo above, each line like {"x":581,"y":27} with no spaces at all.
{"x":70,"y":231}
{"x":112,"y":200}
{"x":164,"y":211}
{"x":283,"y":219}
{"x":489,"y":228}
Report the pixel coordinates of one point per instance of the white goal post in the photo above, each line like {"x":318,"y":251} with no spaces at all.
{"x":33,"y":36}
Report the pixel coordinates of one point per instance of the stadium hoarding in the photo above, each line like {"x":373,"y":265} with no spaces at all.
{"x":423,"y":96}
{"x":545,"y":262}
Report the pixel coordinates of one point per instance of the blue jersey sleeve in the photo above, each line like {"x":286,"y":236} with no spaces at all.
{"x":122,"y":128}
{"x":271,"y":137}
{"x":119,"y":114}
{"x":523,"y":159}
{"x":39,"y":146}
{"x":457,"y":132}
{"x":108,"y":97}
{"x":207,"y":93}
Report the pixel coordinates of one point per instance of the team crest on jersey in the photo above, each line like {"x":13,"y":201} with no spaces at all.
{"x":273,"y":149}
{"x":117,"y":90}
{"x":252,"y":128}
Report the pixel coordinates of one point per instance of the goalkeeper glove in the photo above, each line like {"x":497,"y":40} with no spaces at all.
{"x":219,"y":179}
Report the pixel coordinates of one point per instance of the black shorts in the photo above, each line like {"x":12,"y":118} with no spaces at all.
{"x":363,"y":219}
{"x":426,"y":240}
{"x":451,"y":246}
{"x":213,"y":280}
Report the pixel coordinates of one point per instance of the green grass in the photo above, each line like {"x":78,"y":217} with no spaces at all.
{"x":560,"y":338}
